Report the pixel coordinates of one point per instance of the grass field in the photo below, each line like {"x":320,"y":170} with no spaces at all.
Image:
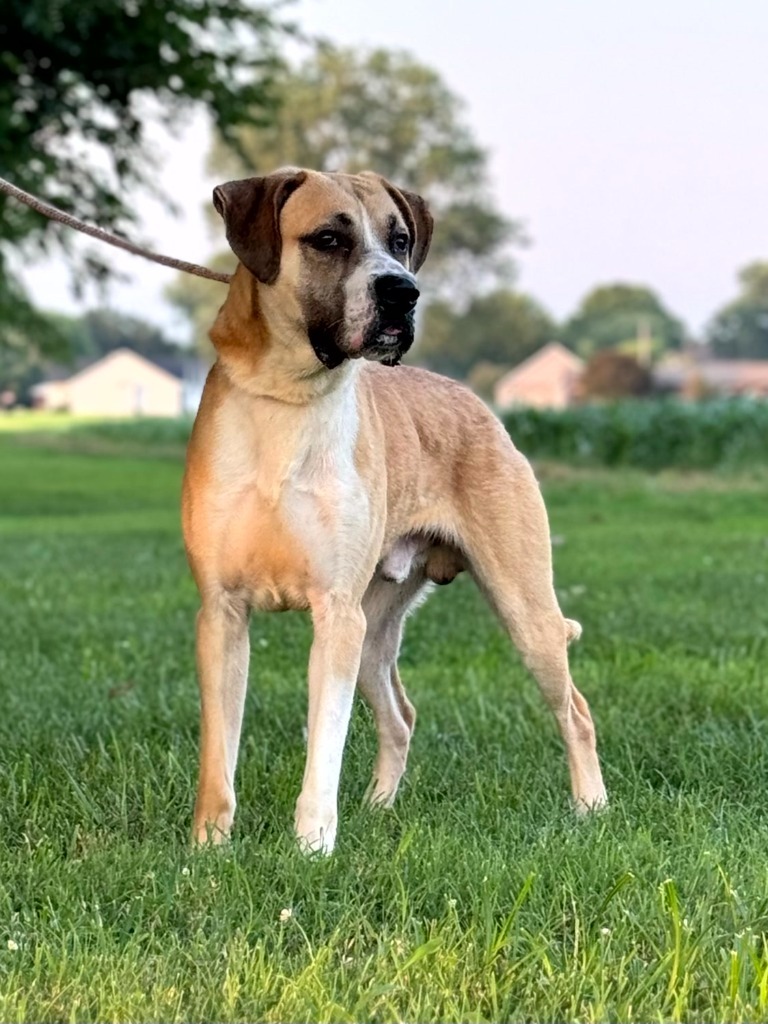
{"x":480,"y":897}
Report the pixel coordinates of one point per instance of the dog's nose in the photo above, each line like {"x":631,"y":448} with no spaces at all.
{"x":396,"y":293}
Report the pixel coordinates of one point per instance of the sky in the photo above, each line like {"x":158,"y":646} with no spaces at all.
{"x":629,"y":137}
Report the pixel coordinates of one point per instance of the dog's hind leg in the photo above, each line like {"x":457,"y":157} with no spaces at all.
{"x":222,"y":660}
{"x":385,"y":605}
{"x":508,"y":544}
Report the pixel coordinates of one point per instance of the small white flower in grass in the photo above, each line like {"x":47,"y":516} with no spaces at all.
{"x":13,"y":945}
{"x":286,"y":914}
{"x":185,"y":870}
{"x":605,"y":931}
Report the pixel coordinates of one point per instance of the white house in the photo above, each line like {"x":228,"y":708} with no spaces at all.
{"x":121,"y":384}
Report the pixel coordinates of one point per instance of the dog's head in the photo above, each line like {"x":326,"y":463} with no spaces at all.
{"x":340,"y":250}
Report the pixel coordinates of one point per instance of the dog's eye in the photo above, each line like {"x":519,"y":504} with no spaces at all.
{"x":326,"y":241}
{"x":400,"y":244}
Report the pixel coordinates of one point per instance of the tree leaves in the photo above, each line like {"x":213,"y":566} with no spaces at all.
{"x":501,"y":328}
{"x":740,"y":329}
{"x":344,"y":110}
{"x":75,"y":81}
{"x":613,"y":314}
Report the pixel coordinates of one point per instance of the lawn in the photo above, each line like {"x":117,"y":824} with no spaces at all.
{"x":480,"y":897}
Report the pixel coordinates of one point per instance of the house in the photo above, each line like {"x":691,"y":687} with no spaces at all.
{"x":693,"y":377}
{"x":546,"y":380}
{"x":122,"y":384}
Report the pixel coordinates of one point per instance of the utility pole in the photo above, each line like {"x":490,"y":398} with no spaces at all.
{"x":644,"y":341}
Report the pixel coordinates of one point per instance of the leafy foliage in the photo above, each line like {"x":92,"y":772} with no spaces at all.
{"x":28,"y":339}
{"x":740,"y":329}
{"x":649,"y":434}
{"x":611,"y":374}
{"x":78,"y":82}
{"x":384,"y":111}
{"x":199,"y":300}
{"x":503,"y":327}
{"x":77,"y":340}
{"x":103,"y":330}
{"x":615,"y":314}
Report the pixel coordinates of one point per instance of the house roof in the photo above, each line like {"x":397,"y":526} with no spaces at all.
{"x":177,"y":368}
{"x":119,"y":353}
{"x":549,"y":356}
{"x":732,"y":375}
{"x":552,"y":365}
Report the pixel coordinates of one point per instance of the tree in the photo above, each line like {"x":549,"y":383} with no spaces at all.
{"x":199,"y":300}
{"x":77,"y":83}
{"x":611,"y":374}
{"x":503,"y":327}
{"x":81,"y":340}
{"x":619,"y":314}
{"x":483,"y":378}
{"x":343,"y":110}
{"x":104,"y":330}
{"x":740,"y":329}
{"x":383,"y":111}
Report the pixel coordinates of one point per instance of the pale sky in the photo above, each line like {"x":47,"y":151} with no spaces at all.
{"x":630,"y":136}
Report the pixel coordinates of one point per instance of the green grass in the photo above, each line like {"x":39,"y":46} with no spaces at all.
{"x":481,"y":897}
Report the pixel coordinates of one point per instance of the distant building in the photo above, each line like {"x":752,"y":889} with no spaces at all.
{"x":546,"y":380}
{"x":692,"y":377}
{"x":123,"y":384}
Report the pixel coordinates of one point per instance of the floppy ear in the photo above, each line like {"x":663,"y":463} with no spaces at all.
{"x":420,"y":222}
{"x":251,"y":209}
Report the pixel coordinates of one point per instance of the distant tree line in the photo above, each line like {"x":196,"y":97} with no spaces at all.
{"x":614,"y":326}
{"x":80,"y":341}
{"x":76,"y":84}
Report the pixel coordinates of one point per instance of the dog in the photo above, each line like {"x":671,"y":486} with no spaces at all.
{"x":323,"y":476}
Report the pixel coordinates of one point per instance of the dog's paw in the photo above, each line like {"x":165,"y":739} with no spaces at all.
{"x":592,"y":803}
{"x":213,"y":819}
{"x":208,"y":833}
{"x":381,"y":793}
{"x":315,"y":829}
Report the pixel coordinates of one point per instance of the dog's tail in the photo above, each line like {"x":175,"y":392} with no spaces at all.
{"x":572,"y":630}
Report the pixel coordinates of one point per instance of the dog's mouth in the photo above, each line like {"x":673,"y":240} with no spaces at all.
{"x":385,"y":340}
{"x":388,"y":340}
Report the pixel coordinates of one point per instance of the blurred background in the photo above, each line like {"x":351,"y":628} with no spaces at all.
{"x":597,"y":176}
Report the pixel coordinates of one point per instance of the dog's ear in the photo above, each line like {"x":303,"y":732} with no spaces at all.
{"x":251,"y":209}
{"x":420,"y":222}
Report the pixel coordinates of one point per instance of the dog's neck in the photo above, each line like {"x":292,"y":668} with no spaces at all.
{"x":264,"y":350}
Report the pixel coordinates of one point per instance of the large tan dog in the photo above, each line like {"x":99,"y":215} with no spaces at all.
{"x":318,"y":480}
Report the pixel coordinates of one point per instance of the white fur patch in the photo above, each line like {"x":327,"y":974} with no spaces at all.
{"x":359,"y":301}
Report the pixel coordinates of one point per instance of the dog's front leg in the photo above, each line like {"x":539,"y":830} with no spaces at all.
{"x":334,"y":662}
{"x":222,"y":665}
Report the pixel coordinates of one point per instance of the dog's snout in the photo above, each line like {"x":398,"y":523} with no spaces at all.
{"x":396,"y":292}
